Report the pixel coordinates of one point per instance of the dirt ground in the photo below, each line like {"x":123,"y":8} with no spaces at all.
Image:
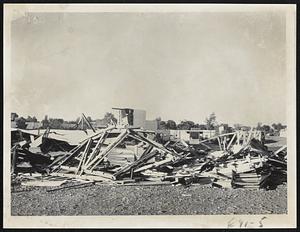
{"x":147,"y":200}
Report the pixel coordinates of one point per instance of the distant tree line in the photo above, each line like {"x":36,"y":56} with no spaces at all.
{"x":59,"y":123}
{"x":21,"y":121}
{"x":210,"y":124}
{"x":273,"y":129}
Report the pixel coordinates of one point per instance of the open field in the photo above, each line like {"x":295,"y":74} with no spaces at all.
{"x":147,"y":200}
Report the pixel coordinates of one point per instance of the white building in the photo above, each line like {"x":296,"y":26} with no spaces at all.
{"x":131,"y":117}
{"x":193,"y":136}
{"x":283,"y":132}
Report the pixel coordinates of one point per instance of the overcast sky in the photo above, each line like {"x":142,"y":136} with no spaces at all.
{"x":174,"y":65}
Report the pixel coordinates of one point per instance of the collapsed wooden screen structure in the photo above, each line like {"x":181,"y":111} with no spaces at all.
{"x":242,"y":138}
{"x":90,"y":156}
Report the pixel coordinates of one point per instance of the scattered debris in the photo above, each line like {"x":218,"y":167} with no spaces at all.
{"x":128,"y":156}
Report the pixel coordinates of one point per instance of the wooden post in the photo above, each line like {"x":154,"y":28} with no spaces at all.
{"x":249,"y":135}
{"x":82,"y":123}
{"x":86,"y":150}
{"x":231,"y":141}
{"x":97,"y":148}
{"x":131,"y":173}
{"x":87,"y":121}
{"x":224,"y":142}
{"x":14,"y":159}
{"x":219,"y":143}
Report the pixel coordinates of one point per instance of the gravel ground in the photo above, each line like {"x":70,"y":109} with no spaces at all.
{"x":147,"y":200}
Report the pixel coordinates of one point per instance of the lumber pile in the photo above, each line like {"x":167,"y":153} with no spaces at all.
{"x":129,"y":157}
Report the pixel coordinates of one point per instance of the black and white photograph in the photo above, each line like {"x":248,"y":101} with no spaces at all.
{"x":136,"y":115}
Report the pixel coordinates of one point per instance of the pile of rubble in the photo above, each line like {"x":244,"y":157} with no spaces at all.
{"x":132,"y":157}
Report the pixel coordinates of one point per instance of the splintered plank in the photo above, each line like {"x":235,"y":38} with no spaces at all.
{"x":100,"y":174}
{"x":97,"y":148}
{"x":136,"y":163}
{"x":280,"y":149}
{"x":149,"y":183}
{"x":44,"y":183}
{"x":84,"y":177}
{"x":219,"y":142}
{"x":86,"y":150}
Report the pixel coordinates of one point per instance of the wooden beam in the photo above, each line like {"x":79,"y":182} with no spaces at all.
{"x":148,"y":150}
{"x":280,"y":149}
{"x":219,"y":143}
{"x":98,"y":133}
{"x":86,"y":150}
{"x":228,"y":146}
{"x":83,"y":177}
{"x":249,"y":136}
{"x":100,"y":174}
{"x":89,"y":124}
{"x":14,"y":158}
{"x":149,"y":141}
{"x":106,"y":151}
{"x":224,"y":143}
{"x":97,"y":148}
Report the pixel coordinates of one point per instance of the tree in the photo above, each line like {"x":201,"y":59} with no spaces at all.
{"x":185,"y":125}
{"x":230,"y":129}
{"x":202,"y":127}
{"x":211,"y":122}
{"x":162,"y":125}
{"x":89,"y":118}
{"x":14,"y":116}
{"x":158,"y":119}
{"x":56,"y":123}
{"x":259,"y":126}
{"x":45,"y":122}
{"x":278,"y":126}
{"x":171,"y":125}
{"x":77,"y":119}
{"x":237,"y":126}
{"x":266,"y":128}
{"x":110,"y":118}
{"x":29,"y":119}
{"x":21,"y":123}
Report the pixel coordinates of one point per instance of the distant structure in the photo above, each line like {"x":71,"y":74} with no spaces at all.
{"x":33,"y":125}
{"x":99,"y":123}
{"x":283,"y":132}
{"x":135,"y":118}
{"x":193,"y":136}
{"x":223,"y":128}
{"x":13,"y":116}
